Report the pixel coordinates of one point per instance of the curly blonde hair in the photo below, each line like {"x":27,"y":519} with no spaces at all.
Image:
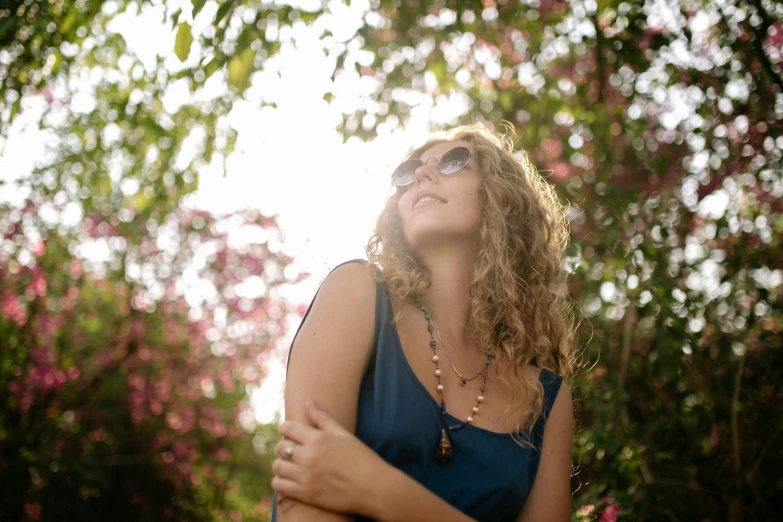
{"x":523,"y":237}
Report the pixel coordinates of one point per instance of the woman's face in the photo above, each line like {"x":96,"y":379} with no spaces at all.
{"x":454,"y":217}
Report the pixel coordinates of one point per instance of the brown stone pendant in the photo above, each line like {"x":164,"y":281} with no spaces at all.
{"x":443,"y":451}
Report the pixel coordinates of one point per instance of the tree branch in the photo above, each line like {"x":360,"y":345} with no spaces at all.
{"x":762,"y":453}
{"x":758,"y":43}
{"x":625,"y":356}
{"x":735,"y":438}
{"x":599,"y":57}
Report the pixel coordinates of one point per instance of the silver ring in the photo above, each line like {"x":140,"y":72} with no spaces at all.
{"x":289,"y":451}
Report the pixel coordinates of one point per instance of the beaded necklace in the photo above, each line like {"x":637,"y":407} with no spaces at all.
{"x":443,"y":449}
{"x":462,"y":380}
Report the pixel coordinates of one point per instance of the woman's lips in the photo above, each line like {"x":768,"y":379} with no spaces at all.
{"x":426,"y":201}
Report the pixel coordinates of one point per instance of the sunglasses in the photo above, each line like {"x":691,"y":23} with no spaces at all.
{"x":451,"y":162}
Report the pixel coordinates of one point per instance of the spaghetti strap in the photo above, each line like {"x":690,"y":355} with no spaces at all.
{"x":551,"y":382}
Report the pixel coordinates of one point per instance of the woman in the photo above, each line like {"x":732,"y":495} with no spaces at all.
{"x":436,"y":368}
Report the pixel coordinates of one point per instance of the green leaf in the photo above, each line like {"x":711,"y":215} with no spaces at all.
{"x":197,"y":6}
{"x":239,"y":69}
{"x":183,"y":41}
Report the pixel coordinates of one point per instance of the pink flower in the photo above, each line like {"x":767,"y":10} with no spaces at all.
{"x":180,"y":449}
{"x":610,"y":513}
{"x":585,"y":510}
{"x":137,"y":415}
{"x":173,"y":420}
{"x":222,"y":455}
{"x":38,"y":285}
{"x":219,"y":430}
{"x":137,"y":382}
{"x":45,"y":377}
{"x":38,"y":249}
{"x":33,"y":510}
{"x":26,"y":402}
{"x":11,"y":308}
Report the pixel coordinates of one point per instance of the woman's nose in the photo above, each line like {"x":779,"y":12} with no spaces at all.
{"x":425,"y":170}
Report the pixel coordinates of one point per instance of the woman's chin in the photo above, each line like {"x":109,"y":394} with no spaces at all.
{"x":427,"y":234}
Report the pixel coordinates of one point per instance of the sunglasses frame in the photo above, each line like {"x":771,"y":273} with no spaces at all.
{"x":416,"y":163}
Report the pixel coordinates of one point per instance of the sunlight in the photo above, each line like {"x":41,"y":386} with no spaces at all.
{"x":290,"y":161}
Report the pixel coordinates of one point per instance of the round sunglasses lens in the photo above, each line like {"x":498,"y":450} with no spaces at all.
{"x":404,"y":174}
{"x":454,"y":160}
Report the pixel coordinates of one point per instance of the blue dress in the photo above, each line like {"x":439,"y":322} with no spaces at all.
{"x":489,"y":476}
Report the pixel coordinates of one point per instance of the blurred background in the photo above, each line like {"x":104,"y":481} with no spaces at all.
{"x":177,"y":177}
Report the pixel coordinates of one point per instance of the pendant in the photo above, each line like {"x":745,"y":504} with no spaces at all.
{"x":443,"y":451}
{"x":462,"y":381}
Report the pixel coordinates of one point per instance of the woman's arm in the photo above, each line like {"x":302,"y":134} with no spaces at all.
{"x":333,"y":469}
{"x":550,"y":498}
{"x":328,"y":359}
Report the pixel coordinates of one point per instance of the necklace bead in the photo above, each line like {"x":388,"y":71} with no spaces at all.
{"x":443,"y":451}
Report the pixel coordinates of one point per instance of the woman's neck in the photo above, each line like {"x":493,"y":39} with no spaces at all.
{"x":447,"y":300}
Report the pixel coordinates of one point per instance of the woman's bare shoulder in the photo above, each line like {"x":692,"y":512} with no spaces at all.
{"x":333,"y":346}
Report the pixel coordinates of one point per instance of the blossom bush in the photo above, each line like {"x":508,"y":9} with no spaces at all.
{"x":125,"y":391}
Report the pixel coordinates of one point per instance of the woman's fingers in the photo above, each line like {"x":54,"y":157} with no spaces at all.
{"x":287,"y":488}
{"x":321,"y":419}
{"x":298,"y":431}
{"x":285,"y":469}
{"x":285,"y":445}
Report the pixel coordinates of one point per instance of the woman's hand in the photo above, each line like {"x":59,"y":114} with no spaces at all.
{"x":326,"y":465}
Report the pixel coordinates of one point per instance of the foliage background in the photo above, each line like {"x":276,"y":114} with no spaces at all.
{"x":659,"y":122}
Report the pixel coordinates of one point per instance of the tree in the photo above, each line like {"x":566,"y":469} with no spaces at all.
{"x":659,"y":123}
{"x":125,"y":377}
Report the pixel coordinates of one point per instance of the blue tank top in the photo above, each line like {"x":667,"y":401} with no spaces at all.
{"x":489,"y":476}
